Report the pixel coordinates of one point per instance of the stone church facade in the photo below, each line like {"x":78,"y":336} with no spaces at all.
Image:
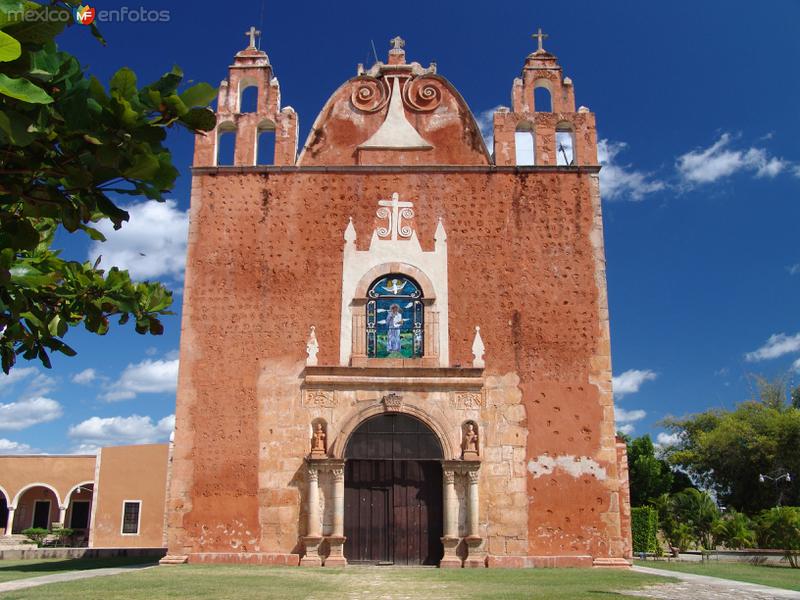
{"x":395,"y":343}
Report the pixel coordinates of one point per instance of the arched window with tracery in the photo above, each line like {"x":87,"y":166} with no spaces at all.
{"x":395,"y":318}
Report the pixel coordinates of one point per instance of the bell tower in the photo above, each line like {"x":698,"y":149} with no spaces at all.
{"x":250,"y":68}
{"x":561,"y":136}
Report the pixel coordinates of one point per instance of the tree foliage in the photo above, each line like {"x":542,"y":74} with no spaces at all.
{"x":686,"y":517}
{"x":650,"y":475}
{"x":68,"y":143}
{"x":735,"y":530}
{"x":779,"y":527}
{"x":727,"y":450}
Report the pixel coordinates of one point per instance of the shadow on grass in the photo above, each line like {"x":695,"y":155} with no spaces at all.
{"x":76,"y":564}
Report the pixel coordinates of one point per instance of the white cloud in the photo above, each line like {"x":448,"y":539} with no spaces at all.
{"x":706,"y":165}
{"x":85,"y":377}
{"x":29,"y":411}
{"x":9,"y":447}
{"x":777,"y":345}
{"x":147,"y":377}
{"x":796,"y":365}
{"x":97,"y":432}
{"x":16,"y":375}
{"x":630,"y":381}
{"x":622,"y":182}
{"x":626,"y":419}
{"x":628,"y":416}
{"x":37,"y":383}
{"x":667,"y":439}
{"x":151,"y":245}
{"x":485,"y":120}
{"x":794,"y":269}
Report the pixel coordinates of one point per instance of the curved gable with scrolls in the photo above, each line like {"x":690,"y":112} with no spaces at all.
{"x":395,"y":114}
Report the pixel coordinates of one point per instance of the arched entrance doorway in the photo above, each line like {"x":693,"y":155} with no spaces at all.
{"x":393,"y":492}
{"x":36,"y":506}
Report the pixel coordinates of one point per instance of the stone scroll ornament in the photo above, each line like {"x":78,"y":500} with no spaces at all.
{"x":421,"y":94}
{"x":370,"y":94}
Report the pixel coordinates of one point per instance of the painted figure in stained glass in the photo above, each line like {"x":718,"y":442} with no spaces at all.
{"x":394,"y":318}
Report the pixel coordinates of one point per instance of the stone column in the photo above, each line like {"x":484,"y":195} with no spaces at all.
{"x":477,"y":554}
{"x":62,"y":515}
{"x":313,"y":536}
{"x":10,"y":522}
{"x":336,"y":541}
{"x":450,"y":539}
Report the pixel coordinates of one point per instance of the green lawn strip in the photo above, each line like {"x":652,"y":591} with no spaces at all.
{"x":227,"y":582}
{"x":11,"y":570}
{"x":780,"y":576}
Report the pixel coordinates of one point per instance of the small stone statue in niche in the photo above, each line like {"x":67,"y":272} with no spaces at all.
{"x":318,"y":445}
{"x":470,"y":443}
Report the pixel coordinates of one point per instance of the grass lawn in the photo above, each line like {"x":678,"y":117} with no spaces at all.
{"x":22,"y":569}
{"x":228,"y":582}
{"x":775,"y":575}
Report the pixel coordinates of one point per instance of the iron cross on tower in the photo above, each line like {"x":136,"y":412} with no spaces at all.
{"x":252,"y":34}
{"x":541,"y":37}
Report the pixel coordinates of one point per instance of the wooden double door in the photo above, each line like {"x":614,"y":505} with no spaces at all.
{"x":393,"y":511}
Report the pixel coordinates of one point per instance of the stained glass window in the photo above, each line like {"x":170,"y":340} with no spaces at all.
{"x":395,"y":318}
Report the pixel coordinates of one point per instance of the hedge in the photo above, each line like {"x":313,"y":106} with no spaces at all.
{"x":644,"y":527}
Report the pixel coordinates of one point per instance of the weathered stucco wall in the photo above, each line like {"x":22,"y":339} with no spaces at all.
{"x":525,"y":263}
{"x":130,"y":473}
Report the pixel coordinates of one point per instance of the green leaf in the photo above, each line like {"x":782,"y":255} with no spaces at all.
{"x":24,"y":90}
{"x":201,"y":94}
{"x":146,"y":166}
{"x":124,"y":83}
{"x":43,"y":27}
{"x":16,"y":127}
{"x":9,"y":48}
{"x":200,"y":119}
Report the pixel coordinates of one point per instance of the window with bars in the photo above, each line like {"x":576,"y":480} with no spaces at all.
{"x":130,"y":517}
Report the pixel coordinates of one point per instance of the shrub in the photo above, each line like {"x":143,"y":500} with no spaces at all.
{"x":644,"y":529}
{"x":735,"y":530}
{"x":36,"y":535}
{"x":63,"y":534}
{"x":780,"y":528}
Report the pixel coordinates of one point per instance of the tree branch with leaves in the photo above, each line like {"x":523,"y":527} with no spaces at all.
{"x":67,"y":142}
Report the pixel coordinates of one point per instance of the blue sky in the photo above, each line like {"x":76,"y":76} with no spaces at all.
{"x":697,"y":107}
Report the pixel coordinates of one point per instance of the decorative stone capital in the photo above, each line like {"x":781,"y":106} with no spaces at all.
{"x":449,"y":476}
{"x":338,"y":474}
{"x":313,"y":474}
{"x":473,"y":475}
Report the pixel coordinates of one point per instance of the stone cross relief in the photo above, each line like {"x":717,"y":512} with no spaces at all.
{"x":393,"y":211}
{"x":397,"y":43}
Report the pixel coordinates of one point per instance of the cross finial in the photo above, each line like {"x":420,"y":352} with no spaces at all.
{"x":541,"y":36}
{"x":252,"y":34}
{"x":397,"y":43}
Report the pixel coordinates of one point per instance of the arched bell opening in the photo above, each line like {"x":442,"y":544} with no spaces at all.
{"x":393,"y":510}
